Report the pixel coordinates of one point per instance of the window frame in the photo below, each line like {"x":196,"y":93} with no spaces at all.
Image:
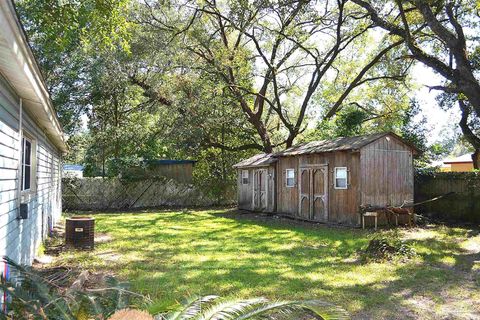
{"x":243,"y":178}
{"x":32,"y":166}
{"x":286,"y":178}
{"x":335,"y":186}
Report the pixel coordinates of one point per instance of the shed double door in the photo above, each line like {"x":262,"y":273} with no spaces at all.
{"x":260,"y":189}
{"x":313,"y":197}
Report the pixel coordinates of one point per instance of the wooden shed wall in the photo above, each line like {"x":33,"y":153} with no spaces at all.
{"x":272,"y":191}
{"x":386,"y":172}
{"x":342,"y":204}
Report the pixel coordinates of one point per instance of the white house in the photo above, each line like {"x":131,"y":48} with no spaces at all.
{"x":31,"y":146}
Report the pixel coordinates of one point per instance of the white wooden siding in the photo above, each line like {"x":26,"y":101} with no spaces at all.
{"x":20,"y":239}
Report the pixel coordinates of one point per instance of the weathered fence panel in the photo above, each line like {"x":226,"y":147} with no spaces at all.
{"x":462,"y":206}
{"x":115,"y":193}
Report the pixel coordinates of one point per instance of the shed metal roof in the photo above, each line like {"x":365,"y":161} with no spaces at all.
{"x":258,"y":160}
{"x":336,"y":144}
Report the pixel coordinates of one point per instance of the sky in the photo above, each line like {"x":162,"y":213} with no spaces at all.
{"x":440,"y":122}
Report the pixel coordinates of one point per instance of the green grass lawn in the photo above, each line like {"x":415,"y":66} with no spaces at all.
{"x":169,"y":255}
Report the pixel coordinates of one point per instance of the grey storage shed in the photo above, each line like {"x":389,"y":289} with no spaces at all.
{"x":256,"y":183}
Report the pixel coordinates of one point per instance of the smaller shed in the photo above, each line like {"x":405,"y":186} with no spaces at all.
{"x":178,"y":170}
{"x":256,"y":183}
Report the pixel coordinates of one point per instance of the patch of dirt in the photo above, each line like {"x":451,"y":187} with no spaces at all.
{"x":382,"y":249}
{"x":64,"y":276}
{"x":102,"y":237}
{"x":110,"y":256}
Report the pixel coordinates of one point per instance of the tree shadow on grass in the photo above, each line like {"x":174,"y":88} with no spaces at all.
{"x":172,"y":255}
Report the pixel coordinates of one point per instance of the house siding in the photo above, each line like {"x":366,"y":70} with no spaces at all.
{"x":20,"y":239}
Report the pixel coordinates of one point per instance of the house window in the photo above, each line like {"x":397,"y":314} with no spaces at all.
{"x":26,"y":178}
{"x":290,"y":178}
{"x":341,"y":175}
{"x":244,"y":176}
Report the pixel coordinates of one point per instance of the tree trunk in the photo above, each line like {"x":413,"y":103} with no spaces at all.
{"x":262,"y":132}
{"x":476,"y":159}
{"x":469,"y":134}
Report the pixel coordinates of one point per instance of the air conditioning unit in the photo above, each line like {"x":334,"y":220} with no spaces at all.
{"x":23,"y":211}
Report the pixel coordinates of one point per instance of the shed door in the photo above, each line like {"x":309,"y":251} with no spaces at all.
{"x":260,"y":189}
{"x":313,"y":203}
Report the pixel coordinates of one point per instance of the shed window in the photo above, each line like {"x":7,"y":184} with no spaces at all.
{"x":290,"y":178}
{"x":244,"y":176}
{"x":341,"y":177}
{"x":26,"y":164}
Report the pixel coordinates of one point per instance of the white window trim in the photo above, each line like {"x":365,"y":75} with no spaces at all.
{"x":286,"y":178}
{"x":335,"y":178}
{"x":33,"y":165}
{"x":243,"y":176}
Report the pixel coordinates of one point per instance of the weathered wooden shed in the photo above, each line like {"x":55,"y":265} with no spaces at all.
{"x":328,"y":180}
{"x":178,"y":170}
{"x":256,"y":183}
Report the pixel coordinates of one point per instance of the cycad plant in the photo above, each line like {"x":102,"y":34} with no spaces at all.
{"x":215,"y":308}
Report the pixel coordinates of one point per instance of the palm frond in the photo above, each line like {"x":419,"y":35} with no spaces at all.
{"x":243,"y":309}
{"x":189,"y":309}
{"x":320,"y":309}
{"x":230,"y":309}
{"x":327,"y":311}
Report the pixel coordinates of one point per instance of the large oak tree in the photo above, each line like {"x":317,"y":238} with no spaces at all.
{"x":443,"y":36}
{"x":270,"y":57}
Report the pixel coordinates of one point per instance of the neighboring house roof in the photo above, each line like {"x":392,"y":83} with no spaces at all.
{"x":338,"y":144}
{"x":73,"y":167}
{"x":169,"y":161}
{"x":258,"y":160}
{"x":18,"y":66}
{"x":466,"y":158}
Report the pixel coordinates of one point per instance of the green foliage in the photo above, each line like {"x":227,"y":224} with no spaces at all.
{"x":66,"y":37}
{"x":154,"y":80}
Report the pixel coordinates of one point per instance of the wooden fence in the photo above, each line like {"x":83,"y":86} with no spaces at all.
{"x":119,"y":194}
{"x":462,"y":206}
